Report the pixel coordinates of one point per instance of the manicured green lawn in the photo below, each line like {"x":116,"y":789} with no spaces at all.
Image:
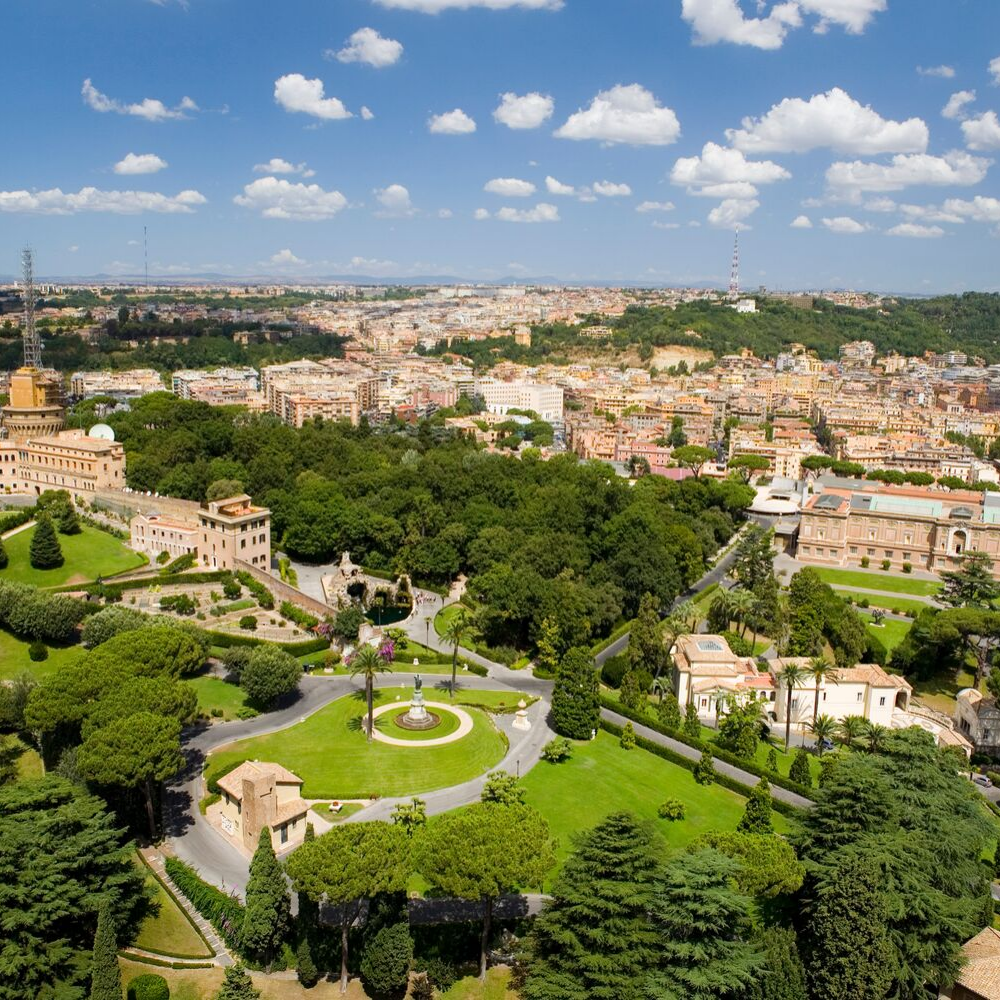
{"x":169,"y":932}
{"x":601,"y":778}
{"x":331,"y":755}
{"x":939,"y":691}
{"x":495,"y":987}
{"x":897,"y":583}
{"x":891,"y":632}
{"x":213,"y":692}
{"x":14,"y":658}
{"x":387,"y":724}
{"x":909,"y":605}
{"x":346,"y":809}
{"x":90,"y":554}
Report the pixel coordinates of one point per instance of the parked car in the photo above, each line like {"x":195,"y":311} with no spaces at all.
{"x":827,"y":744}
{"x":981,"y":779}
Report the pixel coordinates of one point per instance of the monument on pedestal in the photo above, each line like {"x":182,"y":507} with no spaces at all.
{"x":418,"y":717}
{"x":521,"y":716}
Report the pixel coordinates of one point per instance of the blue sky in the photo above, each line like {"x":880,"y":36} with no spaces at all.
{"x":319,"y":137}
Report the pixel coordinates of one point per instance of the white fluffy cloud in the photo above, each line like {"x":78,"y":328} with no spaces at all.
{"x":542,"y":212}
{"x":149,"y":108}
{"x":654,"y":206}
{"x":845,"y":224}
{"x":882,"y":204}
{"x":276,"y":165}
{"x":557,"y":187}
{"x":140,"y":163}
{"x":982,"y":132}
{"x":455,"y":122}
{"x":979,"y":209}
{"x":394,"y":201}
{"x":366,"y":45}
{"x":295,"y":93}
{"x":914,"y":231}
{"x":930,"y":213}
{"x":481,"y":214}
{"x":276,"y":198}
{"x":955,"y":108}
{"x":624,"y":114}
{"x":945,"y":72}
{"x":608,"y":189}
{"x":956,"y":167}
{"x":285,"y":258}
{"x":833,"y":120}
{"x":994,"y":68}
{"x":730,"y":213}
{"x":527,"y":111}
{"x":724,"y":21}
{"x":89,"y":199}
{"x":801,"y":222}
{"x":437,"y":6}
{"x":366,"y":113}
{"x":510,"y":187}
{"x":724,"y":173}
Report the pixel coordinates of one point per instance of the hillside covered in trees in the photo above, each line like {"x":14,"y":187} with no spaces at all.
{"x":969,"y":323}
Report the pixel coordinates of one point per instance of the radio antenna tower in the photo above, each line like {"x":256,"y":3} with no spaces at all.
{"x":32,"y":342}
{"x":734,"y":274}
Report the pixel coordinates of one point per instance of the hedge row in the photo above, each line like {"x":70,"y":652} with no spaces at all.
{"x":37,"y":614}
{"x":264,"y":596}
{"x":225,"y":913}
{"x":10,"y":519}
{"x":689,"y":765}
{"x":99,"y":589}
{"x":180,"y":564}
{"x":295,"y":614}
{"x":225,"y":641}
{"x":158,"y":963}
{"x":750,"y":766}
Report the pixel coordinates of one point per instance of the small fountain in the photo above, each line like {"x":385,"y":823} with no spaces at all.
{"x":418,"y":718}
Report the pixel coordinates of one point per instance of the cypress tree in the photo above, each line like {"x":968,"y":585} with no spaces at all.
{"x":849,"y":955}
{"x":757,"y":815}
{"x":68,"y":520}
{"x":772,"y":760}
{"x":704,"y":771}
{"x":105,"y":974}
{"x":305,"y":966}
{"x":627,"y":741}
{"x":701,"y":922}
{"x":267,"y":908}
{"x":669,"y":712}
{"x":308,"y":918}
{"x":593,"y":940}
{"x":799,"y":771}
{"x":576,"y":707}
{"x":692,"y":725}
{"x":237,"y":985}
{"x":784,"y":976}
{"x":44,"y":552}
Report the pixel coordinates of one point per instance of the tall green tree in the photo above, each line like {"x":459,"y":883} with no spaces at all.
{"x":367,"y":663}
{"x":237,"y":984}
{"x":646,"y":650}
{"x":61,"y":858}
{"x":593,"y":940}
{"x":972,"y":585}
{"x":456,"y":630}
{"x":268,"y":674}
{"x":753,"y":557}
{"x":693,"y":457}
{"x":138,"y":751}
{"x":348,"y":866}
{"x":44,"y":551}
{"x":576,"y":707}
{"x":784,"y":975}
{"x":790,"y":676}
{"x":822,"y":671}
{"x":105,"y":973}
{"x":757,"y":814}
{"x":268,"y":908}
{"x":702,"y":924}
{"x":68,"y":520}
{"x":483,"y":852}
{"x":849,"y":954}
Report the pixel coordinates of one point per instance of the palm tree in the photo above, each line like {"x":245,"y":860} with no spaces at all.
{"x":821,"y":669}
{"x":851,"y":727}
{"x":791,"y":675}
{"x":368,"y":662}
{"x":687,"y":615}
{"x":741,"y":604}
{"x":454,"y":633}
{"x":874,"y":736}
{"x":822,"y":727}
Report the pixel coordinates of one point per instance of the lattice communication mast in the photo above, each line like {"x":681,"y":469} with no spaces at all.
{"x":734,"y":274}
{"x":32,"y":342}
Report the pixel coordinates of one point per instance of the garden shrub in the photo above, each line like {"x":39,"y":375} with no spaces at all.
{"x":613,"y":671}
{"x":704,"y":772}
{"x":264,"y":597}
{"x":865,"y":562}
{"x":627,"y":741}
{"x":148,"y":986}
{"x":907,"y":567}
{"x":295,"y":614}
{"x":38,"y":651}
{"x":557,"y":750}
{"x":886,"y":565}
{"x":249,"y":622}
{"x":671,"y":809}
{"x":385,"y":965}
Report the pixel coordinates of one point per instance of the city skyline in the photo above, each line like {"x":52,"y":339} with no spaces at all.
{"x":851,"y":142}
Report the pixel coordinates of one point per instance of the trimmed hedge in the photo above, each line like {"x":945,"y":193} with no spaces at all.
{"x":750,"y":766}
{"x":225,"y":913}
{"x":148,"y":986}
{"x":264,"y":596}
{"x":295,"y":614}
{"x":96,"y":589}
{"x":226,"y":641}
{"x":10,"y":519}
{"x":180,"y":564}
{"x":690,"y":765}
